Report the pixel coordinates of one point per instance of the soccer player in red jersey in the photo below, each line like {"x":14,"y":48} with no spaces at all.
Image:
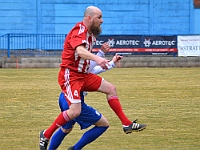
{"x":73,"y":76}
{"x":88,"y":116}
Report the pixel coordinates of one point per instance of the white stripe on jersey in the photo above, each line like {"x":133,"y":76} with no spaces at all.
{"x":88,"y":46}
{"x":68,"y":92}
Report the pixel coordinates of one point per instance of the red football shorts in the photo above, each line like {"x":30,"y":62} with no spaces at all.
{"x":72,"y":83}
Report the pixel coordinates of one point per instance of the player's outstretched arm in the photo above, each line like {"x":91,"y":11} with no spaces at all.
{"x":98,"y":69}
{"x":116,"y":58}
{"x":101,"y":53}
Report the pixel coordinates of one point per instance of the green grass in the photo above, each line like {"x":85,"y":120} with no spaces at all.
{"x":166,"y":99}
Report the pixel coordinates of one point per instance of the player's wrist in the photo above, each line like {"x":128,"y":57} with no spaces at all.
{"x":112,"y":63}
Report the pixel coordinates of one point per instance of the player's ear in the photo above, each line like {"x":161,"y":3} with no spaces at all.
{"x":89,"y":18}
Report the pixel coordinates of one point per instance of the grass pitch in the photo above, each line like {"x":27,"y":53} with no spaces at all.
{"x":166,"y":99}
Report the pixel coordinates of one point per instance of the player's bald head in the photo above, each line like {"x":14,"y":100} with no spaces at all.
{"x":91,"y":10}
{"x":93,"y":19}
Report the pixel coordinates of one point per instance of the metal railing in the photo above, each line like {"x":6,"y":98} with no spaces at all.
{"x":31,"y":44}
{"x":51,"y":45}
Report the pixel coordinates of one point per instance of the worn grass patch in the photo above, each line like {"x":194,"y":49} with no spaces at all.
{"x":166,"y":99}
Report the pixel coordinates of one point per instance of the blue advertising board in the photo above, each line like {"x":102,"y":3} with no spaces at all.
{"x":138,"y":44}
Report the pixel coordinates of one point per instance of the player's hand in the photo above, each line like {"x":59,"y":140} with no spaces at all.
{"x":104,"y":63}
{"x":116,"y":58}
{"x":105,"y":47}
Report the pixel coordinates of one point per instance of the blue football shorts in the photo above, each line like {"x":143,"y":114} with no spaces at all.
{"x":87,"y":117}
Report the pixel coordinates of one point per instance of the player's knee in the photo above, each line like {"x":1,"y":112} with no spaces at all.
{"x":66,"y":130}
{"x":102,"y":122}
{"x":74,"y":111}
{"x":73,"y":114}
{"x":106,"y":123}
{"x":111,"y":89}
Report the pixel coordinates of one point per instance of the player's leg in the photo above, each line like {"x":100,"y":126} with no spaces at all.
{"x":72,"y":90}
{"x":114,"y":103}
{"x":110,"y":91}
{"x":62,"y":132}
{"x":92,"y":134}
{"x":63,"y":118}
{"x":57,"y":138}
{"x":44,"y":140}
{"x":88,"y":117}
{"x":113,"y":100}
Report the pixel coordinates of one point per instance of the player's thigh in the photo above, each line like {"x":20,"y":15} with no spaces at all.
{"x":107,"y":87}
{"x":74,"y":110}
{"x":92,"y":82}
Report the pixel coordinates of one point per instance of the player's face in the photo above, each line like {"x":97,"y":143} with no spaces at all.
{"x":96,"y":21}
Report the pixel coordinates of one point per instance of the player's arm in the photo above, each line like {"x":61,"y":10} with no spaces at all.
{"x":98,"y":69}
{"x":93,"y":63}
{"x":101,"y":53}
{"x":85,"y":54}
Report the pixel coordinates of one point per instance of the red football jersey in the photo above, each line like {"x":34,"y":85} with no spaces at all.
{"x":77,"y":36}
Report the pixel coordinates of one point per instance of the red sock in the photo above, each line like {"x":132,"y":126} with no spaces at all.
{"x":60,"y":120}
{"x":114,"y":103}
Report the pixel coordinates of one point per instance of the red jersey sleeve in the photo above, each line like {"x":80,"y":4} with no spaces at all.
{"x":77,"y":36}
